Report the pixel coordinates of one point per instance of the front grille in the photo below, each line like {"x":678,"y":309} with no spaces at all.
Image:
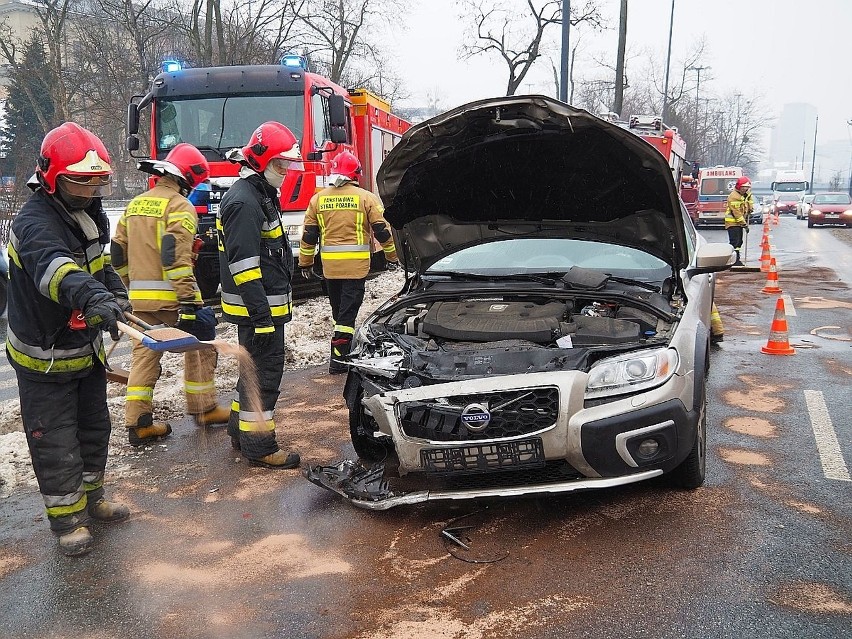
{"x":483,"y":458}
{"x":512,"y":413}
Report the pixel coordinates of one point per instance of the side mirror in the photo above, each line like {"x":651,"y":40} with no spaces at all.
{"x":132,"y":143}
{"x":133,"y":119}
{"x":712,"y":258}
{"x":773,"y":185}
{"x":337,"y":118}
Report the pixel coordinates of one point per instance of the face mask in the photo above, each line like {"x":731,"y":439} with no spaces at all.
{"x":273,"y":177}
{"x":74,"y":202}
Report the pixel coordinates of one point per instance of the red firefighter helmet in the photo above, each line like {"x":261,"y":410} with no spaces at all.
{"x":347,"y":165}
{"x":743,"y":183}
{"x":184,"y":162}
{"x":79,"y":157}
{"x":270,"y":140}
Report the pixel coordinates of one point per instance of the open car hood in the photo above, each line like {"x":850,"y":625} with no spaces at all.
{"x":529,"y":166}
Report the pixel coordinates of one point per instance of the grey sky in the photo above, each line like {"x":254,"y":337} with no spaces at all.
{"x":785,"y":50}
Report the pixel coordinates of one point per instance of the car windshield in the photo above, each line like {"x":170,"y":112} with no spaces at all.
{"x":792,"y":197}
{"x":224,"y":122}
{"x":718,"y":186}
{"x":782,"y":187}
{"x":809,"y":198}
{"x":548,"y":255}
{"x":834,"y":198}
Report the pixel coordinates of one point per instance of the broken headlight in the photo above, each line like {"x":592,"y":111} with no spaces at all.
{"x":631,"y":372}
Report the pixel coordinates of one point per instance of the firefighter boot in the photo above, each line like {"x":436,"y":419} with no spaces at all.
{"x":108,"y":511}
{"x":341,"y":344}
{"x":216,"y":415}
{"x":147,"y":430}
{"x":279,"y":459}
{"x":738,"y":262}
{"x":77,"y":542}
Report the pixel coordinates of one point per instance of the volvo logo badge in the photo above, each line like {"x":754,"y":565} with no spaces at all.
{"x":476,"y":417}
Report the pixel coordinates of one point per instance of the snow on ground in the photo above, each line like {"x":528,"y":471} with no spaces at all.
{"x":307,"y":342}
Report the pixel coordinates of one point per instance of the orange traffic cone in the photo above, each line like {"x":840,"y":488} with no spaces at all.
{"x":778,"y":343}
{"x":771,"y":279}
{"x":765,"y":257}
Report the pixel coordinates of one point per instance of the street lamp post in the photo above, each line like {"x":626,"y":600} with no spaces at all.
{"x":849,"y":131}
{"x":668,"y":65}
{"x":698,"y":71}
{"x":813,"y":161}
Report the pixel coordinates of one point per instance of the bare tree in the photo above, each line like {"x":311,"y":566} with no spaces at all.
{"x":497,"y":29}
{"x":336,"y":33}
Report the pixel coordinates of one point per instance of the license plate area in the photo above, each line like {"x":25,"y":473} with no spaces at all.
{"x":482,"y":458}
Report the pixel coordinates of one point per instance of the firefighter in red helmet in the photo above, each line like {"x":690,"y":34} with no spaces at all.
{"x":152,"y":252}
{"x":740,"y":206}
{"x":255,"y":265}
{"x":342,"y":220}
{"x":62,"y":296}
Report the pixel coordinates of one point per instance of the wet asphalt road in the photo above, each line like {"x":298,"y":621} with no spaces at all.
{"x":218,"y":549}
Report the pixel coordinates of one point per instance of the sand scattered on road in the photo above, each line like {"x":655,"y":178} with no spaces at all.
{"x":290,"y":555}
{"x":441,"y":623}
{"x":10,"y":563}
{"x":813,"y":598}
{"x":756,"y":394}
{"x":753,"y":426}
{"x":743,"y":457}
{"x":307,"y":342}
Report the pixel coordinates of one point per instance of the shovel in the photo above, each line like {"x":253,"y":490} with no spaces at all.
{"x":163,"y":339}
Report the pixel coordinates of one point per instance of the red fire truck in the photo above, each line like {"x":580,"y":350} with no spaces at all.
{"x":217,"y":109}
{"x":663,"y":138}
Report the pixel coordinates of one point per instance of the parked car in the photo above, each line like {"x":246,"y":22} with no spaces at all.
{"x":553,"y":333}
{"x":830,"y":208}
{"x":762,"y":207}
{"x":804,"y":206}
{"x":786,"y":203}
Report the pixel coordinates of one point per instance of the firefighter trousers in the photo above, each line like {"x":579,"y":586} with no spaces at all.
{"x":199,"y":368}
{"x":67,"y":427}
{"x":258,"y":387}
{"x":735,"y":237}
{"x":346,"y":297}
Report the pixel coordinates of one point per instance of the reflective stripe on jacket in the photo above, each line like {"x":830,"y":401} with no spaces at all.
{"x":255,"y":259}
{"x":153,"y":249}
{"x":738,"y":209}
{"x":53,"y":271}
{"x":343,"y":220}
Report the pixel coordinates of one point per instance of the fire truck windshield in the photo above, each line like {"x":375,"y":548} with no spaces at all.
{"x":224,"y":122}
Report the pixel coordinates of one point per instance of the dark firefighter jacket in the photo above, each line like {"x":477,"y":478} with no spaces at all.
{"x":255,"y":259}
{"x":53,"y":270}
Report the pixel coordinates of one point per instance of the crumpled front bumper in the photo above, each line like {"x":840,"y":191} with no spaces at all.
{"x":597,"y":440}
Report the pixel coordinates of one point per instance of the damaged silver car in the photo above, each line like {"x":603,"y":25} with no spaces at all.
{"x":553,"y":331}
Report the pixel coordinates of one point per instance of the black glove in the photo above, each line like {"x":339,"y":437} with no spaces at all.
{"x":747,"y":229}
{"x":307,"y":272}
{"x":123,"y":302}
{"x":187,"y":318}
{"x":263,"y":336}
{"x":392,"y":266}
{"x":102,"y":311}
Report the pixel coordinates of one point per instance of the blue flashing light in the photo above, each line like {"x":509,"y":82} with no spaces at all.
{"x":170,"y":66}
{"x":294,"y":61}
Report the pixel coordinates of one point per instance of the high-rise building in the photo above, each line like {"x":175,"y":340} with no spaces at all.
{"x":792,"y":140}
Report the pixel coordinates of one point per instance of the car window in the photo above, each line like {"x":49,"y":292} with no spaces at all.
{"x":540,"y":255}
{"x":833,"y":198}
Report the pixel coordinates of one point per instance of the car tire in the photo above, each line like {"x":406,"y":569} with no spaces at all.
{"x":810,"y":224}
{"x":691,"y":472}
{"x":361,"y":429}
{"x":3,"y":286}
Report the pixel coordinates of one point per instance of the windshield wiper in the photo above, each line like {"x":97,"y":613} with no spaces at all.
{"x":215,"y":150}
{"x":525,"y":277}
{"x":627,"y":280}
